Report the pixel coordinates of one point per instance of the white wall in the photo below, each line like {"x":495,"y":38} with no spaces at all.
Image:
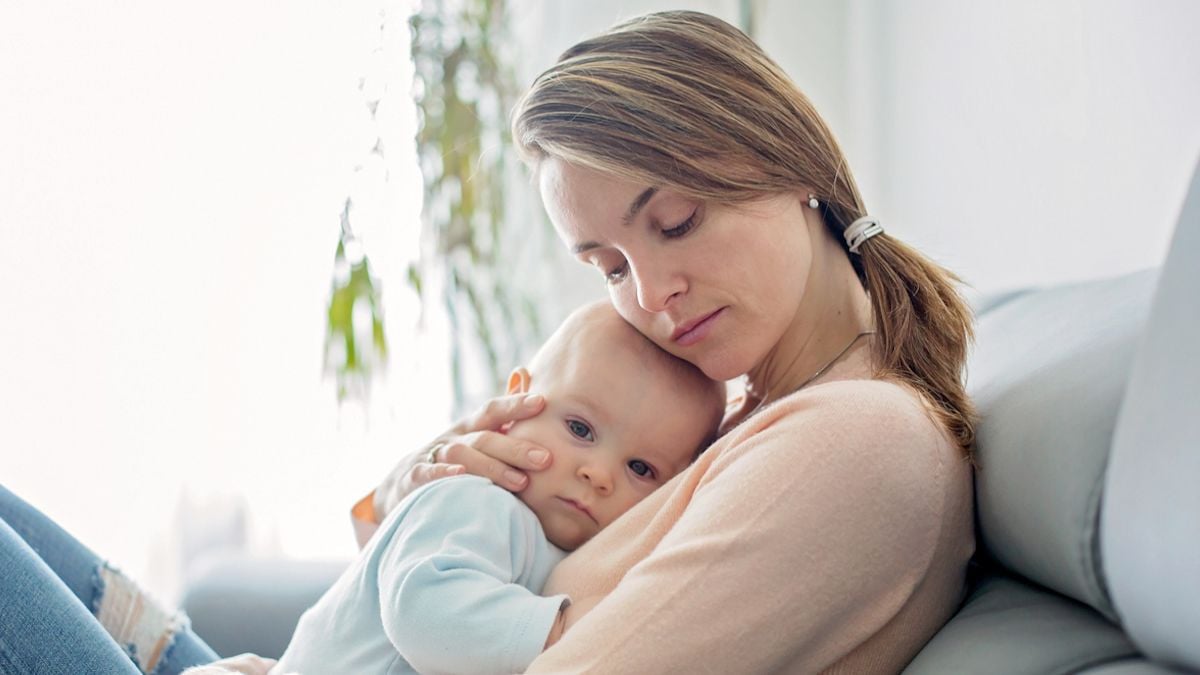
{"x":1021,"y":142}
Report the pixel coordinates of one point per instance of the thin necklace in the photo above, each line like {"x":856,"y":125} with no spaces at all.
{"x":815,"y":375}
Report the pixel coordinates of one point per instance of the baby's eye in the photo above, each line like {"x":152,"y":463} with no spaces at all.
{"x":580,"y":430}
{"x":641,"y":468}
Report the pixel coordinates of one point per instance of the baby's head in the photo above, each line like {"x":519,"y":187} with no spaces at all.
{"x":622,"y":417}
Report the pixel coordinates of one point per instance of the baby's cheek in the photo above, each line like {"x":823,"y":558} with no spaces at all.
{"x":566,"y":534}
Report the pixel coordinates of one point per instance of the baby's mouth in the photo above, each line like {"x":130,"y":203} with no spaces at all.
{"x":579,"y":507}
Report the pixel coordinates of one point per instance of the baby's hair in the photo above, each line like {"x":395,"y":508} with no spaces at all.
{"x":692,"y":382}
{"x":693,"y":379}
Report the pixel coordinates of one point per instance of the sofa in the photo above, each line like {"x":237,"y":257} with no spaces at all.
{"x":1088,"y":513}
{"x":1088,"y":507}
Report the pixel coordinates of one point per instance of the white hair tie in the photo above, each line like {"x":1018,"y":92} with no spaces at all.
{"x":861,"y":230}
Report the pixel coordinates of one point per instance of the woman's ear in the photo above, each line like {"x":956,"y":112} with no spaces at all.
{"x":518,"y":381}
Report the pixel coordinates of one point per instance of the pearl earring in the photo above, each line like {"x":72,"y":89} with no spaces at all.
{"x":812,"y":202}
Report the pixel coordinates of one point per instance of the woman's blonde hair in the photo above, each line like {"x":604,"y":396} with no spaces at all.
{"x":684,"y":101}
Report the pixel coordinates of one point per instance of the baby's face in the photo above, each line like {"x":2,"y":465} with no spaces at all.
{"x":618,"y":425}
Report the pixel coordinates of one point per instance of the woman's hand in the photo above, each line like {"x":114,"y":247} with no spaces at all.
{"x":476,"y":445}
{"x":245,"y":664}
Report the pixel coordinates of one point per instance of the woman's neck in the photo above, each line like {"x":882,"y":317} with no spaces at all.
{"x":834,"y":311}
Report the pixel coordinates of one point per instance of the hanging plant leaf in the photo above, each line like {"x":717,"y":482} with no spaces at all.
{"x":463,"y":92}
{"x":355,"y":343}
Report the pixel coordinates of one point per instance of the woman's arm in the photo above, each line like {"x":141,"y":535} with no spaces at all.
{"x":796,"y":546}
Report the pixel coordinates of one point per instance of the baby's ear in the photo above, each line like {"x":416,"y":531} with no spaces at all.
{"x":518,"y":381}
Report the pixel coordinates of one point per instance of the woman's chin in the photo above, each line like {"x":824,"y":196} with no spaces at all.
{"x":720,"y":367}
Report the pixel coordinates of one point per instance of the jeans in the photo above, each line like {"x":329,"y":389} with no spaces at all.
{"x":65,"y":610}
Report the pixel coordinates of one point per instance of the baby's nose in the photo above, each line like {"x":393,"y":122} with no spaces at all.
{"x":598,"y":475}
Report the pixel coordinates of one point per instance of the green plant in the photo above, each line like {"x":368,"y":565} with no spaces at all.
{"x":463,"y":91}
{"x":355,"y":344}
{"x":356,"y":348}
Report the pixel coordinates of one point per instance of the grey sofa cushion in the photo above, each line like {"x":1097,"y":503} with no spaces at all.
{"x":1048,"y":375}
{"x":1008,"y":627}
{"x":1132,"y":667}
{"x":238,"y":604}
{"x":1151,"y":522}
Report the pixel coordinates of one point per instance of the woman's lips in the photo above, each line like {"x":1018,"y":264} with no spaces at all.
{"x":579,"y":507}
{"x":696,"y":330}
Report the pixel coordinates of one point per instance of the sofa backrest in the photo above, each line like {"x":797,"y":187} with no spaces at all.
{"x":1103,"y":512}
{"x":1048,"y":375}
{"x":1150,"y":526}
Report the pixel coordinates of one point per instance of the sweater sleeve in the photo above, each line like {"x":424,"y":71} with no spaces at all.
{"x":448,"y":590}
{"x":798,"y":543}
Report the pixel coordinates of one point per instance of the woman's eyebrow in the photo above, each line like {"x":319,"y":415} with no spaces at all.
{"x":585,"y":246}
{"x":630,"y":213}
{"x":638,"y":203}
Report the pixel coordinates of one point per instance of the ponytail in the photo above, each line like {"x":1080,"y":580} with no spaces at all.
{"x":923,"y":329}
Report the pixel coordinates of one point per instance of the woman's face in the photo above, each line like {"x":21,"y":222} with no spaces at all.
{"x":716,"y":285}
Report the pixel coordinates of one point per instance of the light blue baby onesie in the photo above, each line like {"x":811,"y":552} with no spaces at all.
{"x":448,"y":584}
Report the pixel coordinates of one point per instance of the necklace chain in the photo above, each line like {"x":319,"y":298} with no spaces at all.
{"x":821,"y":371}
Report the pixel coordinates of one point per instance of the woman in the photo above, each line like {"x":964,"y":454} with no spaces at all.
{"x":830,"y":527}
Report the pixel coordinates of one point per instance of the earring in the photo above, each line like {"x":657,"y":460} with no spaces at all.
{"x":812,"y":202}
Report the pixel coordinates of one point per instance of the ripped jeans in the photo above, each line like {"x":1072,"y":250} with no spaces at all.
{"x":65,"y":610}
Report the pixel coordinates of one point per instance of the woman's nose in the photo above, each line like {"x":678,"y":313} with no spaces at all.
{"x":598,"y":475}
{"x":656,"y":285}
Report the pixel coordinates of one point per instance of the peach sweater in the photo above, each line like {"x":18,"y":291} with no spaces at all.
{"x":828,"y":533}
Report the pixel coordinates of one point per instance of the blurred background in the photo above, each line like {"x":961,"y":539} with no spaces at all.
{"x":251,"y":253}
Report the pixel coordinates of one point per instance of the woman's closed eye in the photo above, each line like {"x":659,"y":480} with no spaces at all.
{"x":613,"y":272}
{"x":617,"y":273}
{"x":682,"y":228}
{"x":581,"y":430}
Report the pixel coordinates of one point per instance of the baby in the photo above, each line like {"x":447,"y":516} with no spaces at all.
{"x":450,"y":581}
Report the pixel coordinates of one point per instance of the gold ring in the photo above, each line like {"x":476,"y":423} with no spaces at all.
{"x":432,"y":458}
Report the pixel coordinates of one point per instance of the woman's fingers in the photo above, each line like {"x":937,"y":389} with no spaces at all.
{"x":488,"y":454}
{"x":475,"y":445}
{"x":427,"y":473}
{"x":246,"y":664}
{"x":404,"y":479}
{"x":514,"y":452}
{"x":500,"y":411}
{"x":474,"y":455}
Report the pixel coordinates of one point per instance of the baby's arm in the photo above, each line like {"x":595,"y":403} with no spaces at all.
{"x":447,"y":583}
